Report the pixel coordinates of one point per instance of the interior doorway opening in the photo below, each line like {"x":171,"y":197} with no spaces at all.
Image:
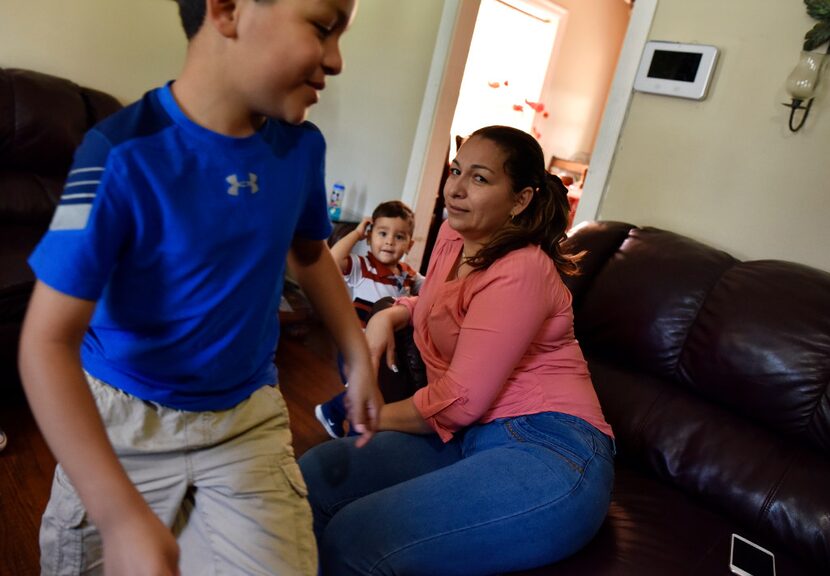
{"x":510,"y":53}
{"x":566,"y":78}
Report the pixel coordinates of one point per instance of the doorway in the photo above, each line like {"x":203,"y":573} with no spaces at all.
{"x":508,"y":59}
{"x":575,"y":127}
{"x":510,"y":53}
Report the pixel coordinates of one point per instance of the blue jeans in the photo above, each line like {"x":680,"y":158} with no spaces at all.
{"x":512,"y":494}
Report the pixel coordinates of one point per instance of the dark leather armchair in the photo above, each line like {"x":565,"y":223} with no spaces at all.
{"x":42,"y":120}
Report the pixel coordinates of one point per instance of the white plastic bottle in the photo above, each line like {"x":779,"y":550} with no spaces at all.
{"x":336,"y":200}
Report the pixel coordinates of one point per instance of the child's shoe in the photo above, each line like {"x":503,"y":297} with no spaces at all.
{"x":332,"y":415}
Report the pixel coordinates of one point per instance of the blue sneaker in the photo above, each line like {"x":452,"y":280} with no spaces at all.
{"x":332,"y":415}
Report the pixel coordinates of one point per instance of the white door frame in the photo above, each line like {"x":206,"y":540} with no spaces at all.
{"x":429,"y":150}
{"x":430,"y":145}
{"x":616,"y":110}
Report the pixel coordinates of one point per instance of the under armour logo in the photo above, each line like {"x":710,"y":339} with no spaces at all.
{"x":236,"y":184}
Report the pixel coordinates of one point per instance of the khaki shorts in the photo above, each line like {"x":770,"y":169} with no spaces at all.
{"x":226,"y":482}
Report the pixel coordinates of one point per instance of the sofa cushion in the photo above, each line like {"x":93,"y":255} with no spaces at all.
{"x":43,"y":119}
{"x":28,"y":197}
{"x":604,"y":239}
{"x":654,"y":530}
{"x":764,"y":482}
{"x":761,"y":345}
{"x":646,"y":297}
{"x":714,"y":375}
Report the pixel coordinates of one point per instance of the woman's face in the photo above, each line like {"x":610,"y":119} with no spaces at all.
{"x":478,"y":193}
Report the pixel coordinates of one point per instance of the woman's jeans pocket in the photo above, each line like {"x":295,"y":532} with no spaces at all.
{"x":572,"y":439}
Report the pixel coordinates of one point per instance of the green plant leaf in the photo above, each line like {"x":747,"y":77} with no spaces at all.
{"x":820,"y":34}
{"x":818,"y":9}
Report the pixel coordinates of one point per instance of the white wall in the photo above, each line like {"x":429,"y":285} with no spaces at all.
{"x":124,"y":47}
{"x":369,"y":114}
{"x":726,"y":170}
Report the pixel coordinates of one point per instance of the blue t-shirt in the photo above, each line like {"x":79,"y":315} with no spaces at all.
{"x":180,"y":234}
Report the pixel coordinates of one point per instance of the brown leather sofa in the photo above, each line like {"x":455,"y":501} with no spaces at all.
{"x":715,"y":375}
{"x":42,"y":120}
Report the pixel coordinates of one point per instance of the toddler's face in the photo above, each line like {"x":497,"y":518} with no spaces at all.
{"x":390,"y":239}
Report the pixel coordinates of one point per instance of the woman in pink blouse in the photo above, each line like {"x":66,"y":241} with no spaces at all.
{"x":503,"y":461}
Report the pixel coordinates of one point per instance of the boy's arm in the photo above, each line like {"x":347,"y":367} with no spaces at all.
{"x":343,"y":247}
{"x":135,"y":540}
{"x":314,"y":269}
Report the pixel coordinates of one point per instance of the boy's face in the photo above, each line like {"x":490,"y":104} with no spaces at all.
{"x":390,"y":239}
{"x":283,"y":52}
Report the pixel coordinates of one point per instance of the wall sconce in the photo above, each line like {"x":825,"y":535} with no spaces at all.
{"x":802,"y":81}
{"x":801,"y":85}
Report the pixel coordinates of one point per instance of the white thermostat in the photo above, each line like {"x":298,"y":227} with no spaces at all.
{"x":675,"y":69}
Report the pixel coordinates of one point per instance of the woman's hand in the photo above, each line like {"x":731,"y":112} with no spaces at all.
{"x":380,"y":335}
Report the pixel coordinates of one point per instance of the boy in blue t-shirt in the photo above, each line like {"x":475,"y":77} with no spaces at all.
{"x":147,"y":350}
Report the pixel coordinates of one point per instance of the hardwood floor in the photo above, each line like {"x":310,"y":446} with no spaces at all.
{"x":308,"y":376}
{"x":26,"y":467}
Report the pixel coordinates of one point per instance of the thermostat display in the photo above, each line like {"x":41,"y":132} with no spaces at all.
{"x":674,"y":69}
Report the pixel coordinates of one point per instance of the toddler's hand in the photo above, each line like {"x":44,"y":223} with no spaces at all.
{"x":363,"y":227}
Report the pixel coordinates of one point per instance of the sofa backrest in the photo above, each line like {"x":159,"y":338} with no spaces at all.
{"x":42,"y":121}
{"x":714,"y":374}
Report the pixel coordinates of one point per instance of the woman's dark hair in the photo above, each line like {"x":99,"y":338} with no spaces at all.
{"x":395,"y":209}
{"x":545,"y":219}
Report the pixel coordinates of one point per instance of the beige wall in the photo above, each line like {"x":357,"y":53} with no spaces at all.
{"x":580,"y":74}
{"x":370,"y":113}
{"x":726,"y":170}
{"x":124,"y":47}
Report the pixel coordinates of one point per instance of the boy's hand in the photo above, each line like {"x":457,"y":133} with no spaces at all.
{"x":140,"y":545}
{"x":319,"y":278}
{"x":363,"y":401}
{"x":135,"y":541}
